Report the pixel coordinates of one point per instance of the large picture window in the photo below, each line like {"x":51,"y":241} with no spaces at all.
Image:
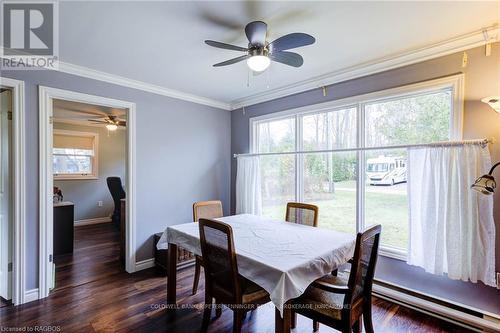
{"x":349,"y":157}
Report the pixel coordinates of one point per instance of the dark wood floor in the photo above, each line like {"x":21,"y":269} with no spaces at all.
{"x":94,"y":295}
{"x":95,"y":254}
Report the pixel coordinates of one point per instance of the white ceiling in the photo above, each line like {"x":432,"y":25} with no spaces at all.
{"x":161,"y":43}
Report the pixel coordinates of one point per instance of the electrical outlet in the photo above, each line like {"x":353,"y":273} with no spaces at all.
{"x":498,"y":280}
{"x":99,"y":203}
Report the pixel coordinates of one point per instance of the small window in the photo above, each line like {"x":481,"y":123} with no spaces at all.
{"x":74,"y":155}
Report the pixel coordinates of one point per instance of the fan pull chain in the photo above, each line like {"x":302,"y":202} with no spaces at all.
{"x":248,"y":78}
{"x":268,"y":77}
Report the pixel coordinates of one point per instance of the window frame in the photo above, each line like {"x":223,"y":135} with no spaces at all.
{"x":94,"y":159}
{"x":454,"y":83}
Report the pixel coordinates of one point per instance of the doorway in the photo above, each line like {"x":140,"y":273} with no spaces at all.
{"x":88,"y":154}
{"x":61,"y":167}
{"x":6,"y":201}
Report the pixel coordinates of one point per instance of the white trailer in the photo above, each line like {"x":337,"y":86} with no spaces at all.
{"x":386,"y":170}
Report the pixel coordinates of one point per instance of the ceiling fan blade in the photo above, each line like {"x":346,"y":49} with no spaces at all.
{"x":98,"y":121}
{"x":287,"y":58}
{"x":291,"y":41}
{"x":220,"y":20}
{"x":256,"y":33}
{"x":122,"y":123}
{"x":221,"y":45}
{"x":232,"y":61}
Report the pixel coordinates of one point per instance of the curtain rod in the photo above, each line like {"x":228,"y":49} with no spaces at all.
{"x":434,"y":144}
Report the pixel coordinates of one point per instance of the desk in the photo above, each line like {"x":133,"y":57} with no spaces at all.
{"x":63,"y":227}
{"x":281,"y":257}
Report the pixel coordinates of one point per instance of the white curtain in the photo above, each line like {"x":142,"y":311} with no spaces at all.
{"x":452,"y":229}
{"x":248,"y":186}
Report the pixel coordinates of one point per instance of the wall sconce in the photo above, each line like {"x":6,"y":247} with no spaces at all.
{"x":486,"y":184}
{"x":493,"y":101}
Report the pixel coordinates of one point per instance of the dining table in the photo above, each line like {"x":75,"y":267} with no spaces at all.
{"x":283,"y":258}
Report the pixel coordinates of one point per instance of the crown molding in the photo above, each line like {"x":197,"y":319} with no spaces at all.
{"x":460,"y":43}
{"x":82,"y":71}
{"x":69,"y":68}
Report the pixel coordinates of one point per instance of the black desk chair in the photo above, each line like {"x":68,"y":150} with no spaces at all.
{"x":116,"y":189}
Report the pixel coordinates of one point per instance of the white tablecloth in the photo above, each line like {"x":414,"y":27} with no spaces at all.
{"x":282,"y":257}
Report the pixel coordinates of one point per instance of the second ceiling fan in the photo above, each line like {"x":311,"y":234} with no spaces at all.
{"x":259,"y":52}
{"x":112,"y":122}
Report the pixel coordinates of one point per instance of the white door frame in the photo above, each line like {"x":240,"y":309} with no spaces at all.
{"x":46,"y":96}
{"x":19,"y":193}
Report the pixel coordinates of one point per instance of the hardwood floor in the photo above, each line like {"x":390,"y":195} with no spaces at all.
{"x":96,"y":249}
{"x":93,"y":294}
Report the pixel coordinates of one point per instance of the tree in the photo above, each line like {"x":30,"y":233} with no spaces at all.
{"x":419,"y":119}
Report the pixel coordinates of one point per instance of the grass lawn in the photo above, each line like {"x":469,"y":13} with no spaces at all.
{"x":338,"y":212}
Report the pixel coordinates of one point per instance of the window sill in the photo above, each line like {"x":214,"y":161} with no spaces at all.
{"x":392,"y":252}
{"x":76,"y":177}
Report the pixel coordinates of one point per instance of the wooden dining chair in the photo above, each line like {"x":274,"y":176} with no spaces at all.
{"x":222,"y":280}
{"x":302,"y":213}
{"x":340,"y":301}
{"x":204,"y":210}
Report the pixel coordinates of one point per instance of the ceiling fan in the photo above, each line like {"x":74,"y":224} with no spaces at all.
{"x":259,"y":52}
{"x":112,"y":122}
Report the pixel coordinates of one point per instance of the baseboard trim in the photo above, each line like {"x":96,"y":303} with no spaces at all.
{"x":97,"y":220}
{"x":454,"y":316}
{"x":31,"y":295}
{"x":144,"y":264}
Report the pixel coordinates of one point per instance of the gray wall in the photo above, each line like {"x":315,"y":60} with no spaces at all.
{"x":482,"y":78}
{"x":183,"y":155}
{"x":85,"y":193}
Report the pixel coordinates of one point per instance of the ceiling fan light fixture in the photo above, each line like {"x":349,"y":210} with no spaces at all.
{"x":260,"y":52}
{"x":258,"y":63}
{"x":259,"y":60}
{"x":111,"y":127}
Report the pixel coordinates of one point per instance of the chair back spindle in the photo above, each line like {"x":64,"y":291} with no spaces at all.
{"x":363,"y":265}
{"x":219,"y":256}
{"x":301,"y":213}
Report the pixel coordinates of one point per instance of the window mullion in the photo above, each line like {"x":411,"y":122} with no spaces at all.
{"x":255,"y":138}
{"x":360,"y":181}
{"x":299,"y":169}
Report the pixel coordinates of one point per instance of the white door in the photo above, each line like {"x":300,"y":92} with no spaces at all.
{"x":5,"y":195}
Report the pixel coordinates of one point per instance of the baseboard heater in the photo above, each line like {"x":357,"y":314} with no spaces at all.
{"x":475,"y":320}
